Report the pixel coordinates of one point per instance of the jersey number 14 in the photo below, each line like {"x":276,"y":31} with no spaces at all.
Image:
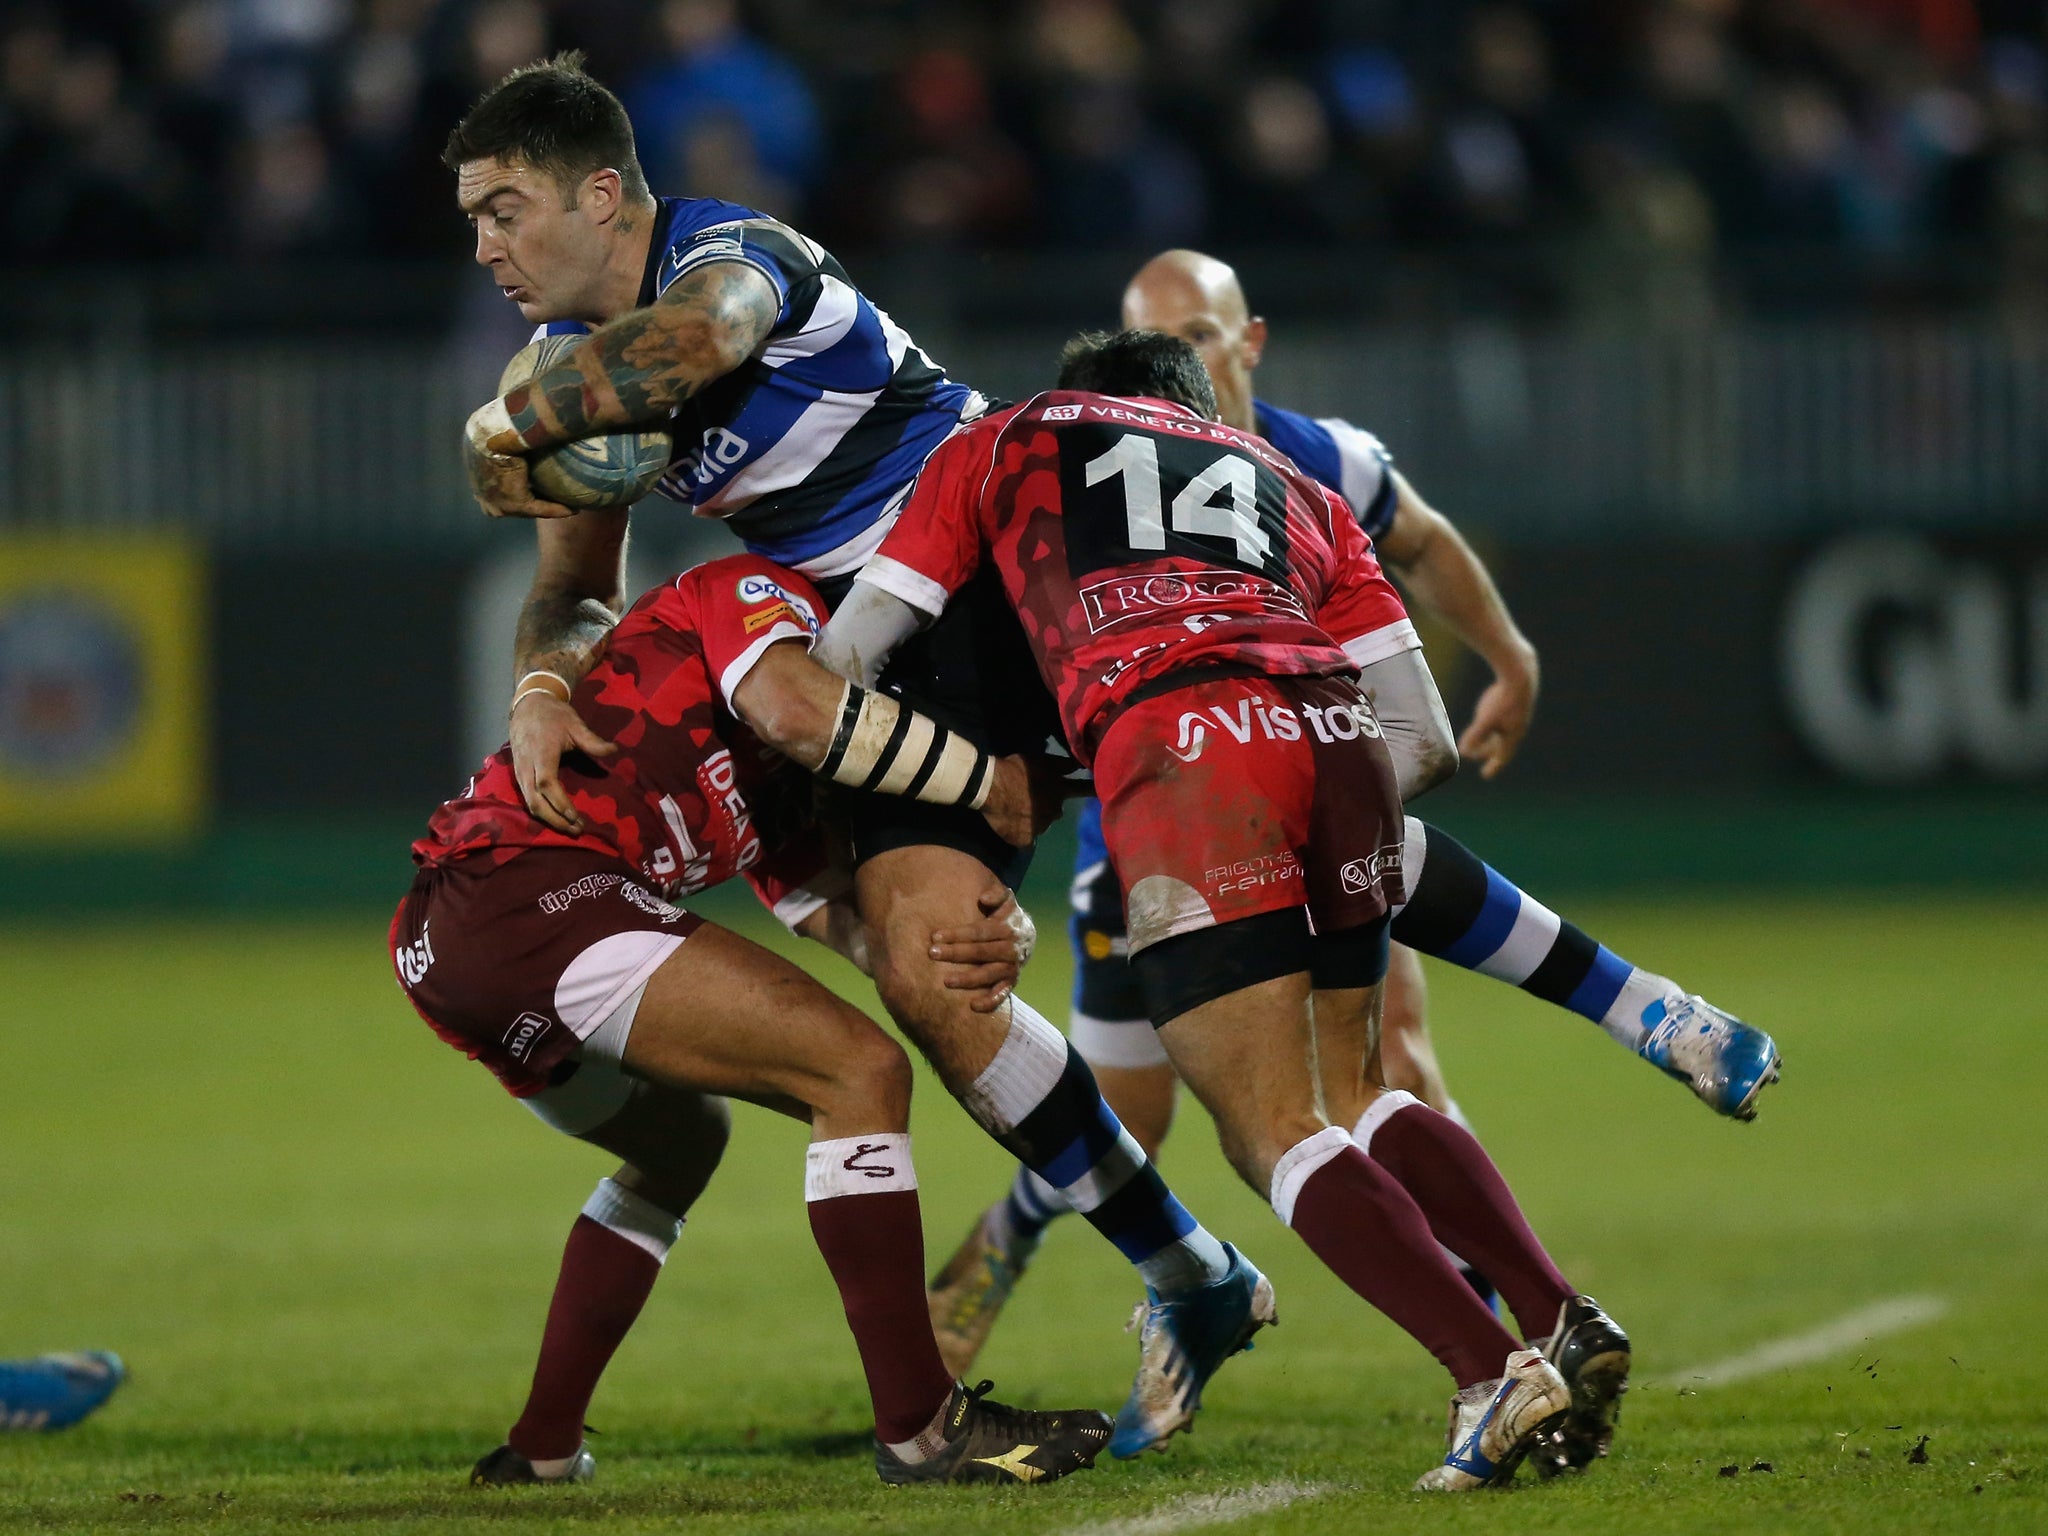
{"x":1144,"y":497}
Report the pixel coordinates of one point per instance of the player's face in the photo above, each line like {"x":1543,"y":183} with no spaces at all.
{"x":545,"y":256}
{"x":1223,"y":338}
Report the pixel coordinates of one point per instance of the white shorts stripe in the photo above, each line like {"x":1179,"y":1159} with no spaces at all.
{"x":604,"y":975}
{"x":1126,"y":1043}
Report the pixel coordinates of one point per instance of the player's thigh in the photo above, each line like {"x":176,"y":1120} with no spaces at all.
{"x":905,"y":895}
{"x":723,"y":1015}
{"x":1407,"y":1053}
{"x":1248,"y":1057}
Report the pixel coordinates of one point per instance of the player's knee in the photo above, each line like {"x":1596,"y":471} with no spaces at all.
{"x":681,"y":1155}
{"x":877,"y":1076}
{"x":708,"y":1128}
{"x":908,"y":985}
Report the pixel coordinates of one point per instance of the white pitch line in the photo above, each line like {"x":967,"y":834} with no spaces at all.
{"x":1874,"y":1321}
{"x":1205,"y":1509}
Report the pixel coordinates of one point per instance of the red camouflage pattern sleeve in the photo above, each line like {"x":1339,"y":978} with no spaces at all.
{"x":936,"y":546}
{"x":741,"y":605}
{"x":1358,"y":600}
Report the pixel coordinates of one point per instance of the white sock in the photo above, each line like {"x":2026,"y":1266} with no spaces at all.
{"x":1643,"y":992}
{"x":1025,"y":1072}
{"x":927,"y":1442}
{"x":635,"y":1218}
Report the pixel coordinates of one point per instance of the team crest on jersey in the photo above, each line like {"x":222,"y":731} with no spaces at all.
{"x":754,"y":590}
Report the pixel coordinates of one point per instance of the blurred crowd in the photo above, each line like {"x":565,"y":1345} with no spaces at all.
{"x":149,"y":130}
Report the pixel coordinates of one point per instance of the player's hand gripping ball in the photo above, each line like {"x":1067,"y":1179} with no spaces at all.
{"x":609,"y":470}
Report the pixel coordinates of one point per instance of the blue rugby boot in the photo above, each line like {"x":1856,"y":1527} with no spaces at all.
{"x":1181,"y":1344}
{"x":1494,"y":1424}
{"x":1726,"y":1062}
{"x":56,"y":1391}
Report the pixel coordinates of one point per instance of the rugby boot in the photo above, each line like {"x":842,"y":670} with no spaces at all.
{"x":1726,"y":1062}
{"x":1494,"y":1424}
{"x":990,"y":1442}
{"x":506,"y":1468}
{"x":966,"y":1296}
{"x":1591,"y":1353}
{"x":1181,"y":1344}
{"x":56,"y":1391}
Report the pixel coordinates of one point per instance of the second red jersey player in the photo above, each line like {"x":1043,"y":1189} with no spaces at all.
{"x":1203,"y":613}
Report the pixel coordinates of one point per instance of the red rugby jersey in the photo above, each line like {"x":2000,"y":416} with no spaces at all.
{"x":1135,"y":538}
{"x":692,"y":797}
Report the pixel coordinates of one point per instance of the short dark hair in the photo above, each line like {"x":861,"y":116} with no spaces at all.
{"x":1148,"y":363}
{"x":554,"y":117}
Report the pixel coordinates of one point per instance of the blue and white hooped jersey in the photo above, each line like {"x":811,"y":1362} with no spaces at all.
{"x":809,"y":449}
{"x":1348,"y":459}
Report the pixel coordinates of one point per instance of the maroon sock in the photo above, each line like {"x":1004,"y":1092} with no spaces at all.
{"x":873,"y":1241}
{"x":1471,"y":1210}
{"x":1364,"y":1226}
{"x":603,"y":1284}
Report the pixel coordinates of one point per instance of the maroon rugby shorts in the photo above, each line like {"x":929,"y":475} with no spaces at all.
{"x":517,"y":964}
{"x":1237,"y":796}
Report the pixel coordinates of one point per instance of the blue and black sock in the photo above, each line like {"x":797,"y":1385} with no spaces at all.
{"x":1462,"y":910}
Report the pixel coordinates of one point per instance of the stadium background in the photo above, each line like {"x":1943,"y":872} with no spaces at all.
{"x":1721,"y":326}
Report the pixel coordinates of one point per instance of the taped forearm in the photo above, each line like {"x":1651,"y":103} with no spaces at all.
{"x":882,"y":746}
{"x":1412,"y":716}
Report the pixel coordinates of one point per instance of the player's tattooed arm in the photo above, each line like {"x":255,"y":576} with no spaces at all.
{"x":577,"y":597}
{"x":1444,"y":576}
{"x":645,"y":363}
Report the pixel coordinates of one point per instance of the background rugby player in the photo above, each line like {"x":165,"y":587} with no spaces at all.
{"x":1206,"y":616}
{"x":801,"y":413}
{"x":1459,"y":909}
{"x":625,"y":1012}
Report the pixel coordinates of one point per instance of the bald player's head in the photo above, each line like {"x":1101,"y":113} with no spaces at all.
{"x":1197,"y":298}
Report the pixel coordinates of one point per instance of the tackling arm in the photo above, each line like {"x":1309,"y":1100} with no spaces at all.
{"x":858,"y":639}
{"x":635,"y":369}
{"x":1444,"y":575}
{"x":1411,"y":713}
{"x":867,"y":740}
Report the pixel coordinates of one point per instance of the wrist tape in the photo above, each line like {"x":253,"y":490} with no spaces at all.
{"x":882,"y":746}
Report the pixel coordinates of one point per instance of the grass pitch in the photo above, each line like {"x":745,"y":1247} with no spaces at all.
{"x":324,"y":1243}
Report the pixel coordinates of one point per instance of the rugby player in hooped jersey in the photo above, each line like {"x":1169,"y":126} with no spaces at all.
{"x":558,"y":960}
{"x":1208,"y":617}
{"x":801,"y":414}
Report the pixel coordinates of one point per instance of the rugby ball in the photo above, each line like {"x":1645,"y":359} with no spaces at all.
{"x":612,"y":469}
